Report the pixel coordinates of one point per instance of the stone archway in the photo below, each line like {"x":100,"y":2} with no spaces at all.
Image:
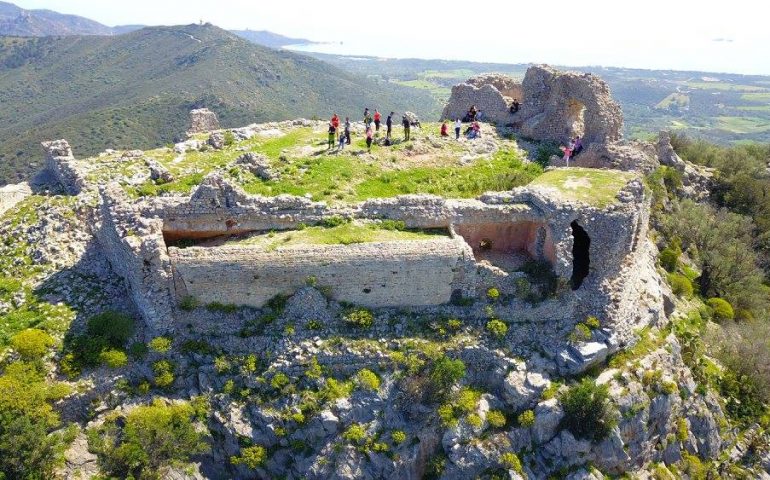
{"x":581,"y":260}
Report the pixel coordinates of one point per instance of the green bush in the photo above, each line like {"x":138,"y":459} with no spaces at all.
{"x":334,"y":221}
{"x":467,"y":400}
{"x":669,"y":258}
{"x":189,"y":303}
{"x":544,"y":153}
{"x":148,"y":440}
{"x":32,"y":343}
{"x":360,"y":317}
{"x":496,"y":419}
{"x":160,"y":344}
{"x":392,"y":225}
{"x":356,"y":433}
{"x":368,"y":380}
{"x":222,"y":307}
{"x":398,"y":436}
{"x":510,"y":461}
{"x":722,"y":310}
{"x":526,"y":418}
{"x":164,"y":373}
{"x":592,"y":322}
{"x":251,"y":457}
{"x":497,"y":328}
{"x":588,"y":412}
{"x":445,"y":373}
{"x":229,"y":138}
{"x":113,"y":358}
{"x":581,"y":333}
{"x":493,"y":294}
{"x":28,"y":449}
{"x":114,"y":327}
{"x":279,"y":381}
{"x":680,"y":285}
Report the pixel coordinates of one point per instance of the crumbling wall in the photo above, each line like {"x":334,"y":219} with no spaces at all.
{"x":507,"y":86}
{"x":62,"y":164}
{"x":10,"y":195}
{"x":392,"y":274}
{"x":487,"y":99}
{"x":203,"y":120}
{"x":137,"y":252}
{"x":560,"y":105}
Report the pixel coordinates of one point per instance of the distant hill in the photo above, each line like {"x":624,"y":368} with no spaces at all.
{"x":135,"y":90}
{"x":17,"y":21}
{"x":269,"y":39}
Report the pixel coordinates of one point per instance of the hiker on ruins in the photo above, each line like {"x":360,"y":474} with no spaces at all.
{"x":389,"y":125}
{"x":444,"y":129}
{"x":347,"y":130}
{"x":515,"y":105}
{"x":405,"y":123}
{"x":476,"y":129}
{"x":578,"y":146}
{"x":478,"y":116}
{"x":369,"y":135}
{"x":377,"y":118}
{"x":472,"y":113}
{"x":341,"y":143}
{"x":367,"y":118}
{"x":335,"y":122}
{"x":567,"y":153}
{"x":458,"y":127}
{"x":332,"y":135}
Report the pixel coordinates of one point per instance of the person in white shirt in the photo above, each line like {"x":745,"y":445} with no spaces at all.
{"x":458,"y":127}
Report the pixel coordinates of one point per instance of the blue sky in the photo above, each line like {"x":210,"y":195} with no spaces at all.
{"x":681,"y":35}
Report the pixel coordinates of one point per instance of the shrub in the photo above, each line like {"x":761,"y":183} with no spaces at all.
{"x":160,"y":344}
{"x":189,"y":303}
{"x":721,"y":308}
{"x":138,"y":350}
{"x":467,"y":400}
{"x":114,"y":358}
{"x":680,"y":285}
{"x":496,"y":418}
{"x":361,"y":318}
{"x":222,"y":307}
{"x":251,"y":457}
{"x":114,"y":327}
{"x":446,"y":373}
{"x":334,"y":221}
{"x":279,"y":381}
{"x":581,"y":333}
{"x":229,"y":138}
{"x":446,"y":413}
{"x":682,"y":432}
{"x":356,"y":433}
{"x":544,"y":153}
{"x":474,"y":420}
{"x":497,"y":328}
{"x":510,"y":461}
{"x":592,"y":322}
{"x":368,"y":380}
{"x":148,"y":440}
{"x":454,"y":324}
{"x":32,"y":343}
{"x":588,"y":411}
{"x":398,"y":436}
{"x":27,"y":449}
{"x":164,"y":373}
{"x":526,"y":418}
{"x":493,"y":294}
{"x":669,"y":259}
{"x":392,"y":225}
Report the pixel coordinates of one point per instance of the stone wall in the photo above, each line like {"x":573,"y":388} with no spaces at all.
{"x":136,"y":250}
{"x":10,"y":195}
{"x":488,"y":99}
{"x":62,"y":164}
{"x":504,"y":84}
{"x":385,"y":274}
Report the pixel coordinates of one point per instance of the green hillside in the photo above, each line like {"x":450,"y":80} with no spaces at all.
{"x":135,"y":90}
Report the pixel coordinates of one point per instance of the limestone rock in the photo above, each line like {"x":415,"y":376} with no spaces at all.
{"x":217,"y":140}
{"x":522,"y":389}
{"x":258,"y":165}
{"x":158,"y":173}
{"x":203,"y":120}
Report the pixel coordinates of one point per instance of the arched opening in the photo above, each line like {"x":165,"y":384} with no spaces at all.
{"x":581,"y":261}
{"x":575,"y":119}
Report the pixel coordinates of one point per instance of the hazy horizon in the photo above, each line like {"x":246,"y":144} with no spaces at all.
{"x":703,"y":37}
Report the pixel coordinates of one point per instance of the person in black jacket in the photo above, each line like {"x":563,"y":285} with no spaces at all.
{"x":405,"y":123}
{"x":389,"y":124}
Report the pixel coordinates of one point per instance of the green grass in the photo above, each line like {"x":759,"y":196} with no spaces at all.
{"x":587,"y":185}
{"x":675,"y":99}
{"x":345,"y":234}
{"x":756,"y":97}
{"x":724,"y":86}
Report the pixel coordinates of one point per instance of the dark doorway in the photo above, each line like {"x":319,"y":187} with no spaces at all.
{"x":581,"y":260}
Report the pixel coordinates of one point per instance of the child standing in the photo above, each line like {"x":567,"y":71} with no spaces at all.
{"x":369,"y":135}
{"x":332,"y":133}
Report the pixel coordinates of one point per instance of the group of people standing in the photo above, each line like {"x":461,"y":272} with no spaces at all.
{"x":343,"y":138}
{"x":574,"y":147}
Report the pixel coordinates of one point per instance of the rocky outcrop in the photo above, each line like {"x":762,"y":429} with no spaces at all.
{"x":10,"y":195}
{"x":203,"y":120}
{"x":257,"y":164}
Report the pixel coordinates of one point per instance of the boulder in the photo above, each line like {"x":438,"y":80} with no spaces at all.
{"x":522,"y":389}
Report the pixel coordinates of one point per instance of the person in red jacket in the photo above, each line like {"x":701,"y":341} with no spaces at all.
{"x":444,"y":129}
{"x":377,"y":118}
{"x":336,"y":122}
